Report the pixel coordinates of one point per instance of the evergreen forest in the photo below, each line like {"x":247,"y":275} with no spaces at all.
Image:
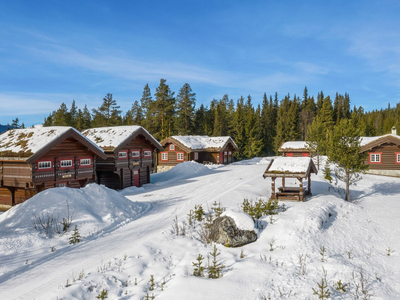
{"x":258,"y":130}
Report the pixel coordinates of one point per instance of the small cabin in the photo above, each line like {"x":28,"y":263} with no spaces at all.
{"x":130,"y":154}
{"x":202,"y":149}
{"x":383,"y":154}
{"x":35,"y":159}
{"x":295,"y":149}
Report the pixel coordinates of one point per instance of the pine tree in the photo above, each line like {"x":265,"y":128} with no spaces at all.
{"x":215,"y":268}
{"x":198,"y":268}
{"x":344,"y":152}
{"x":240,"y":131}
{"x":200,"y":121}
{"x":75,"y":237}
{"x":134,"y":116}
{"x":61,"y":117}
{"x":147,"y":107}
{"x":185,"y":106}
{"x":15,"y":123}
{"x":73,"y":114}
{"x":164,"y":109}
{"x":108,"y":114}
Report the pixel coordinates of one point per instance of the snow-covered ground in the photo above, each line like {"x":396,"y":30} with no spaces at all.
{"x":127,"y":237}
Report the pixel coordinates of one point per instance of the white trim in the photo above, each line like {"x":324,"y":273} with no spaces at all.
{"x":42,"y":165}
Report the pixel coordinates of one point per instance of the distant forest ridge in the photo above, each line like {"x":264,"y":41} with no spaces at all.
{"x":257,"y":130}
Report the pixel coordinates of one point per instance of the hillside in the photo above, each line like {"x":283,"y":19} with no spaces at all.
{"x":128,"y":236}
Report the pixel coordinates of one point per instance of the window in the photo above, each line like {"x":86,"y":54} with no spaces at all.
{"x":196,"y":155}
{"x":289,"y":154}
{"x":230,"y":153}
{"x":225,"y":153}
{"x":86,"y":162}
{"x":44,"y":164}
{"x":179,"y":156}
{"x":164,"y":155}
{"x":147,"y":153}
{"x":172,"y":147}
{"x":397,"y":157}
{"x":65,"y":163}
{"x":375,"y":158}
{"x":305,"y":154}
{"x":136,"y":154}
{"x":123,"y":154}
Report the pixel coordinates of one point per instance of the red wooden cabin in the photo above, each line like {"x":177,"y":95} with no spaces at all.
{"x":295,"y":149}
{"x":203,"y":149}
{"x":34,"y":159}
{"x":130,"y":155}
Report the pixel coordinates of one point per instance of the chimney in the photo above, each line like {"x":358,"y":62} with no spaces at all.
{"x":394,"y":131}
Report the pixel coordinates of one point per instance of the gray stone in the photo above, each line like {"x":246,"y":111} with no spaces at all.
{"x":224,"y":231}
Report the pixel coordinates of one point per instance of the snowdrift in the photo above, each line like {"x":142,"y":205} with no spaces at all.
{"x":183,"y":170}
{"x":94,"y":208}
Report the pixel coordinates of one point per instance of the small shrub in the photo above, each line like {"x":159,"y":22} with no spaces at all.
{"x":198,"y":268}
{"x":152,"y":284}
{"x":215,"y":269}
{"x":322,"y":251}
{"x":322,"y":291}
{"x":340,"y":287}
{"x":327,"y":173}
{"x":199,"y":212}
{"x":103,"y":295}
{"x":75,"y":237}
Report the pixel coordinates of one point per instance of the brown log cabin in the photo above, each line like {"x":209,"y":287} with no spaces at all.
{"x":34,"y":159}
{"x":202,"y":149}
{"x":130,"y":155}
{"x":383,"y":154}
{"x":295,"y":149}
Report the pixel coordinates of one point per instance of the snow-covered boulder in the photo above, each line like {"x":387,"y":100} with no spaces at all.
{"x":233,"y":229}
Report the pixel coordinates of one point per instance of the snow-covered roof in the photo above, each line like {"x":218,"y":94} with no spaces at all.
{"x":112,"y":137}
{"x":364,"y":140}
{"x":202,"y":142}
{"x":291,"y":165}
{"x":29,"y":140}
{"x":298,"y":145}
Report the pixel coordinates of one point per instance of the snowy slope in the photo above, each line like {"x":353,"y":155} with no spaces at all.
{"x":355,"y":237}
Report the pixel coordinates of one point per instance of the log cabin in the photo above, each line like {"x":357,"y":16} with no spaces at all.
{"x":295,"y":149}
{"x":130,"y":155}
{"x":383,"y":154}
{"x":202,"y":149}
{"x":34,"y":159}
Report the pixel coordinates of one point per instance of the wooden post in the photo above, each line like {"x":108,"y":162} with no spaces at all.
{"x":12,"y":191}
{"x":283,"y":181}
{"x":273,"y":196}
{"x":301,"y":189}
{"x":309,"y":183}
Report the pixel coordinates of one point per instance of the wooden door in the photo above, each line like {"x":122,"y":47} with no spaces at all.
{"x":136,"y":178}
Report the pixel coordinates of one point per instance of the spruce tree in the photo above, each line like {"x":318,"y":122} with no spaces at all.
{"x":164,"y":110}
{"x":215,"y":268}
{"x":75,"y":237}
{"x":147,"y":108}
{"x":198,"y":268}
{"x":108,"y":114}
{"x":134,"y":116}
{"x":185,"y":106}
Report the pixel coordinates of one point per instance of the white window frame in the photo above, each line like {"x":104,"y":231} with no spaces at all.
{"x":66,"y":163}
{"x":123,"y":154}
{"x":138,"y":154}
{"x":398,"y":157}
{"x":172,"y":147}
{"x":196,"y":156}
{"x":164,"y":156}
{"x":179,"y":154}
{"x":44,"y":165}
{"x":375,"y":157}
{"x":85,"y":162}
{"x":148,"y":153}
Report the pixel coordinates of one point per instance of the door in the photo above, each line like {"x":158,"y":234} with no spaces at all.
{"x":136,"y":178}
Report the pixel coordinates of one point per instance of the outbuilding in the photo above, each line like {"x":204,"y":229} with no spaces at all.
{"x":34,"y":159}
{"x":202,"y":149}
{"x":130,"y":155}
{"x":295,"y":149}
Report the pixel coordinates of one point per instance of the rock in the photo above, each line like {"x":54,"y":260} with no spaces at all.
{"x":224,"y":231}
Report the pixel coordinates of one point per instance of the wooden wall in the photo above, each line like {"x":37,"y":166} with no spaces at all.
{"x":388,"y":158}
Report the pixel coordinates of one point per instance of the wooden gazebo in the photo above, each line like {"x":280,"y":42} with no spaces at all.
{"x":299,"y":168}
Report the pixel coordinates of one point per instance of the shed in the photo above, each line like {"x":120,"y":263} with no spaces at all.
{"x":299,"y":168}
{"x":130,"y":155}
{"x":34,"y":159}
{"x":203,"y":149}
{"x":295,"y":149}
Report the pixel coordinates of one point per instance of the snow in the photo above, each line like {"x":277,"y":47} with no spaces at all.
{"x":290,"y":164}
{"x":368,"y":139}
{"x":111,"y":137}
{"x":242,"y":220}
{"x":136,"y":240}
{"x":33,"y":139}
{"x":294,"y":145}
{"x":197,"y":142}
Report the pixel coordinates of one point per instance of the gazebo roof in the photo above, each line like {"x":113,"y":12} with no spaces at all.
{"x":298,"y":167}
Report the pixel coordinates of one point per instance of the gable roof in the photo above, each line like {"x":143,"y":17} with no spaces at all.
{"x":367,"y":143}
{"x":31,"y":143}
{"x":290,"y":167}
{"x":114,"y":138}
{"x":294,"y":146}
{"x":200,"y":142}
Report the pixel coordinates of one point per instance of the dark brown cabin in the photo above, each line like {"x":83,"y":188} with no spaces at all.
{"x":34,"y":159}
{"x":130,"y":155}
{"x":202,"y":149}
{"x":383,"y":154}
{"x":295,"y":149}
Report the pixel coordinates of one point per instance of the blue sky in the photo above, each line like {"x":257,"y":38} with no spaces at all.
{"x":53,"y":52}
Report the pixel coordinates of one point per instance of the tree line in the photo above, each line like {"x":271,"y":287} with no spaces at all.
{"x":257,"y":129}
